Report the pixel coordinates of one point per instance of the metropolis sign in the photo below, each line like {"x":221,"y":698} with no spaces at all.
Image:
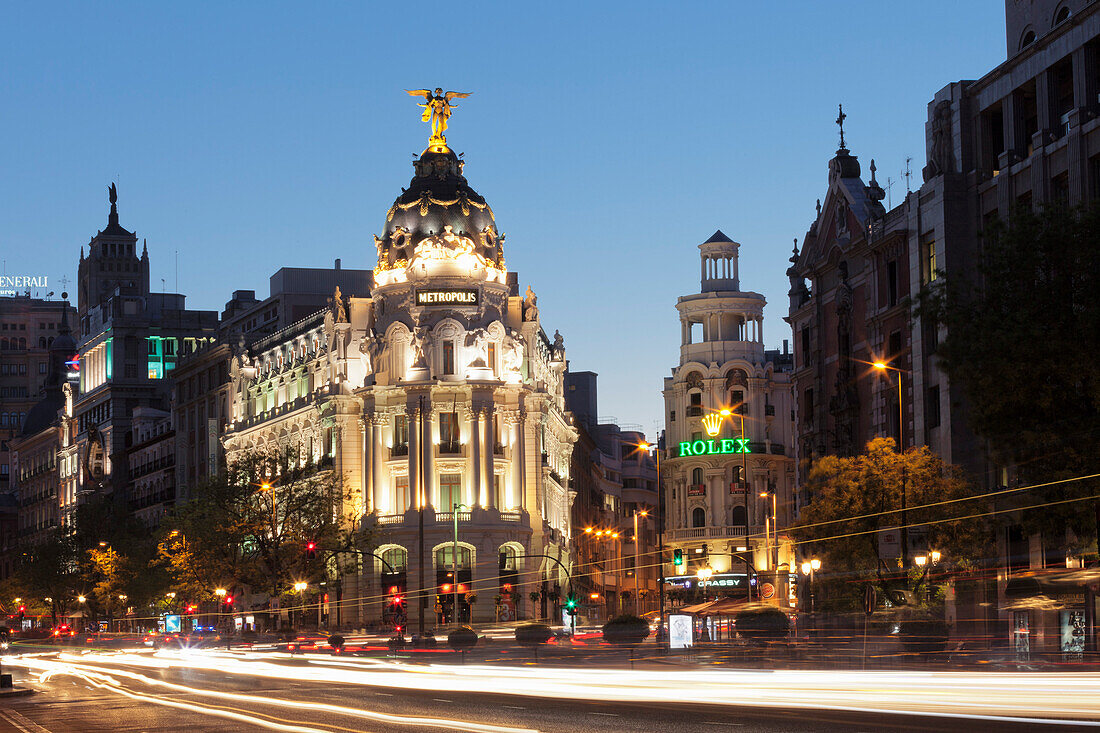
{"x":449,"y":296}
{"x":714,"y":447}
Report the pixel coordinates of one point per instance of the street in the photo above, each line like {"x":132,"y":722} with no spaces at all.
{"x":218,"y":691}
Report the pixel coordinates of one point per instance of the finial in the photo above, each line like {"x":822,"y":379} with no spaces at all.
{"x":437,"y":110}
{"x":819,"y":208}
{"x":794,"y":256}
{"x":144,"y":248}
{"x":873,"y":181}
{"x":840,"y":123}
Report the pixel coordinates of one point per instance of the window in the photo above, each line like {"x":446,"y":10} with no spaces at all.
{"x":448,"y":357}
{"x":42,"y":368}
{"x":805,"y":334}
{"x":450,"y":491}
{"x":928,"y":259}
{"x":892,"y":283}
{"x":894,"y":348}
{"x":401,"y":433}
{"x":698,"y":517}
{"x":932,"y":407}
{"x":397,"y":558}
{"x":444,"y":558}
{"x":493,"y":357}
{"x":740,"y":516}
{"x":401,"y":485}
{"x":695,"y":404}
{"x":808,"y":407}
{"x":448,"y":432}
{"x":508,"y":559}
{"x":697,"y":476}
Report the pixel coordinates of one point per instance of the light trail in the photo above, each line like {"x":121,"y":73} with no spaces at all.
{"x":1054,"y":698}
{"x":104,"y":678}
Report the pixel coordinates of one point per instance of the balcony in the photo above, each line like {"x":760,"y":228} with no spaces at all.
{"x":694,"y":411}
{"x":709,"y":533}
{"x":451,"y":447}
{"x":769,"y":410}
{"x":399,"y":451}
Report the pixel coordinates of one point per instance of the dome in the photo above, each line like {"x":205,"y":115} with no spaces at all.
{"x":438,"y":201}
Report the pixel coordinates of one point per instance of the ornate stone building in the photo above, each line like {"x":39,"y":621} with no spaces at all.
{"x":719,"y":463}
{"x":439,"y":392}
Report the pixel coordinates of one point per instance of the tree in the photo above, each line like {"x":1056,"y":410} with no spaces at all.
{"x":252,"y":524}
{"x":853,"y":498}
{"x":48,"y":570}
{"x":1019,"y":341}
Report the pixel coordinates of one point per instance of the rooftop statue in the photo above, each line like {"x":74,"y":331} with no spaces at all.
{"x":437,"y":109}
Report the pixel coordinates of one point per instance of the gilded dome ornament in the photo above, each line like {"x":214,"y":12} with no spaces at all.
{"x":437,"y":110}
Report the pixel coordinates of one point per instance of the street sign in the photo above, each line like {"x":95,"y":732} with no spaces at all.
{"x":767,"y":590}
{"x":171,"y":623}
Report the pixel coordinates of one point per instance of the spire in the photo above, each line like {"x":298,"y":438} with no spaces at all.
{"x":144,"y":248}
{"x":840,"y":123}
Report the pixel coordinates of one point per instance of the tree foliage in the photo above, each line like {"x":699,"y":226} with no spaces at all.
{"x":855,"y":497}
{"x":251,"y":525}
{"x":1019,"y":341}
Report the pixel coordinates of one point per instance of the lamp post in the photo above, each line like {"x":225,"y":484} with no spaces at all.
{"x":454,"y":563}
{"x":637,"y":563}
{"x":660,"y":534}
{"x":772,"y":533}
{"x":884,"y":367}
{"x":300,"y":588}
{"x":809,"y":567}
{"x":704,"y":574}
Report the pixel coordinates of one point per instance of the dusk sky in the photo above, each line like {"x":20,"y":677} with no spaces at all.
{"x":609,"y":138}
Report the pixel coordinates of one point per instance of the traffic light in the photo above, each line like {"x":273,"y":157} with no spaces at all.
{"x":571,"y":604}
{"x":311,"y":550}
{"x":678,"y":558}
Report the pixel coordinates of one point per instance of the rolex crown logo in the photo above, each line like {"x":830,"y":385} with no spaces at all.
{"x":713,"y":423}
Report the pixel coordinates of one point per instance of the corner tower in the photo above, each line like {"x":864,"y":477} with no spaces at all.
{"x":729,"y":470}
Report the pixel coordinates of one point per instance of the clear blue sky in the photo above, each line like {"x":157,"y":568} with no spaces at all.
{"x":610,"y":139}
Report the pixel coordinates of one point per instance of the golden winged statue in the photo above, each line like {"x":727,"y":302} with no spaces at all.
{"x":437,"y":109}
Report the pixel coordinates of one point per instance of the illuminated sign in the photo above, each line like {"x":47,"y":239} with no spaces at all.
{"x":713,"y":424}
{"x":714,"y":447}
{"x":450,"y":296}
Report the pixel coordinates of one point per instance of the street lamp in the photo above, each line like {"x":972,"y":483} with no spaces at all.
{"x":704,"y":574}
{"x":300,"y":589}
{"x":768,"y":533}
{"x":454,"y":563}
{"x":660,"y":532}
{"x":809,"y":567}
{"x":883,"y":367}
{"x":637,"y":563}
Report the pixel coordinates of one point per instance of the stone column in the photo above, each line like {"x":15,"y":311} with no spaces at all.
{"x":521,"y":445}
{"x":474,"y":498}
{"x":383,"y":492}
{"x":427,"y":458}
{"x":490,"y":461}
{"x":414,"y":451}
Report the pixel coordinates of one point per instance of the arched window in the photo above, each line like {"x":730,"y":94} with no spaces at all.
{"x":1062,"y":15}
{"x":698,"y":517}
{"x":397,"y":558}
{"x":41,"y":342}
{"x":740,"y":517}
{"x":444,"y":556}
{"x":1027,"y":39}
{"x":508,"y":558}
{"x":694,"y":380}
{"x":697,"y":476}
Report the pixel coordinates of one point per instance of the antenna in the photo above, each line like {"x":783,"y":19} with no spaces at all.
{"x":907,"y":172}
{"x":889,"y":185}
{"x":177,"y":270}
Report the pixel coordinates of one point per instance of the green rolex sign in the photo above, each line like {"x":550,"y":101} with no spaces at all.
{"x":714,"y":447}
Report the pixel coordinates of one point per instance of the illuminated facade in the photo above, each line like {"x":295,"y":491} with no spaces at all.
{"x":729,"y":437}
{"x":440,"y":389}
{"x":129,"y":342}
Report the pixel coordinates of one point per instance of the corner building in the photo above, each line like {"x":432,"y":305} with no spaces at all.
{"x":714,"y":477}
{"x":439,"y":391}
